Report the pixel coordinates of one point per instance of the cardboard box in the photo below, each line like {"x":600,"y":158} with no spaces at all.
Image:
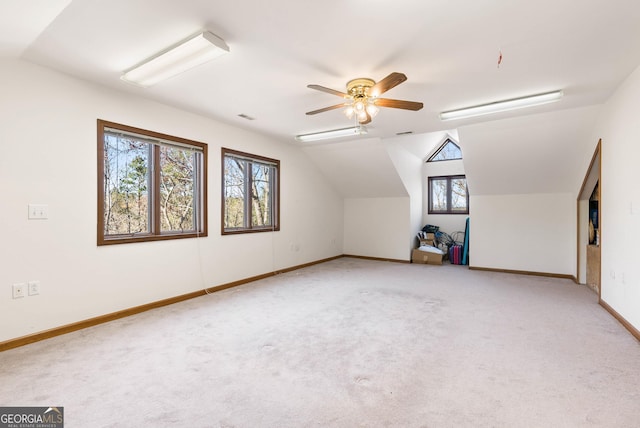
{"x":426,"y":257}
{"x":429,"y":240}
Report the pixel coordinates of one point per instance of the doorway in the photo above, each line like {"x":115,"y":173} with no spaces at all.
{"x":589,"y":209}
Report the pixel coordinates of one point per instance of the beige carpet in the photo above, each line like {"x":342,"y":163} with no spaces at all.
{"x":348,"y":343}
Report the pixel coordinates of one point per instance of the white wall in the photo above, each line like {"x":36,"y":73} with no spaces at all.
{"x":535,"y":232}
{"x":48,"y":134}
{"x":409,"y":167}
{"x":377,"y":227}
{"x":523,"y":175}
{"x":619,"y":129}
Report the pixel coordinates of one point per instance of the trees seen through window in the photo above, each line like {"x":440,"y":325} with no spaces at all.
{"x":250,"y":200}
{"x":151,"y":186}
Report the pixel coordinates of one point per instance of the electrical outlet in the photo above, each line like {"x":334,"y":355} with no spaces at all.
{"x":34,"y":288}
{"x":19,"y":290}
{"x":38,"y":212}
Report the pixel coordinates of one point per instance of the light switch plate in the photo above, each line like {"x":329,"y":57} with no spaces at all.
{"x":34,"y":287}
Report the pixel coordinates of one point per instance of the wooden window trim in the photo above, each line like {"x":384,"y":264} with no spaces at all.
{"x":276,"y":205}
{"x":154,"y":234}
{"x":449,"y":178}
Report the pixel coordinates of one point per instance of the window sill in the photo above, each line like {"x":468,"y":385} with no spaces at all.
{"x":148,"y":238}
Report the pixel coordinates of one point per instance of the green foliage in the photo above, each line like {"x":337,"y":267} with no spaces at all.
{"x":243,"y":177}
{"x":127,"y":199}
{"x":126,"y":187}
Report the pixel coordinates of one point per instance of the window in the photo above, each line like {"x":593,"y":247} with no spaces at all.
{"x":250,"y":193}
{"x":448,"y":195}
{"x":448,"y":151}
{"x":151,"y":186}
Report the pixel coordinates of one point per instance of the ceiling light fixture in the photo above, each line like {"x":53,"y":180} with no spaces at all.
{"x":188,"y":54}
{"x":500,"y":106}
{"x":362,"y":98}
{"x":335,"y":133}
{"x":361,"y":103}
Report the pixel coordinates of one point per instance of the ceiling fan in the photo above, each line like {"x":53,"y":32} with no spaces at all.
{"x":361,"y":98}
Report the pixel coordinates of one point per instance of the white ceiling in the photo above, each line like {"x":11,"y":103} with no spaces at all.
{"x":21,"y":22}
{"x":448,"y":49}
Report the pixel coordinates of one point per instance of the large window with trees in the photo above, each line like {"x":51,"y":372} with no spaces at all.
{"x":250,"y":193}
{"x":448,"y":195}
{"x":151,"y":186}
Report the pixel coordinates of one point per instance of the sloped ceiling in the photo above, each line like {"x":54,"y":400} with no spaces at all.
{"x":364,"y":168}
{"x":358,"y":169}
{"x":540,"y":153}
{"x":422,"y":145}
{"x":21,"y":22}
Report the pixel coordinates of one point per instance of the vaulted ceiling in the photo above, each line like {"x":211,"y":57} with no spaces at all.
{"x":449,"y":50}
{"x":542,"y":153}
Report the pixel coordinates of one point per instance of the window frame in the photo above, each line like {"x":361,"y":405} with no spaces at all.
{"x":449,"y":179}
{"x":155,"y":233}
{"x":275,"y":205}
{"x":446,"y":142}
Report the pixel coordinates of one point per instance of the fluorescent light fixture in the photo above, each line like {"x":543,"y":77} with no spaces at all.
{"x":335,"y":133}
{"x":498,"y":106}
{"x":188,"y":54}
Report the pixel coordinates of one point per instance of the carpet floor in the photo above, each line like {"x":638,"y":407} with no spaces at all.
{"x":347,"y":343}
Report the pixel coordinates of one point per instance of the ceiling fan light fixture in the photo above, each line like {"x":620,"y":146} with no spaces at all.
{"x":372,"y":109}
{"x":190,"y":53}
{"x":349,"y":111}
{"x":334,"y":133}
{"x":500,"y":106}
{"x":361,"y":99}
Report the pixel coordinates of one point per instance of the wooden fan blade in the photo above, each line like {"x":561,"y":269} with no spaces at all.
{"x":406,"y":105}
{"x":322,"y":110}
{"x":391,"y":81}
{"x":328,"y":90}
